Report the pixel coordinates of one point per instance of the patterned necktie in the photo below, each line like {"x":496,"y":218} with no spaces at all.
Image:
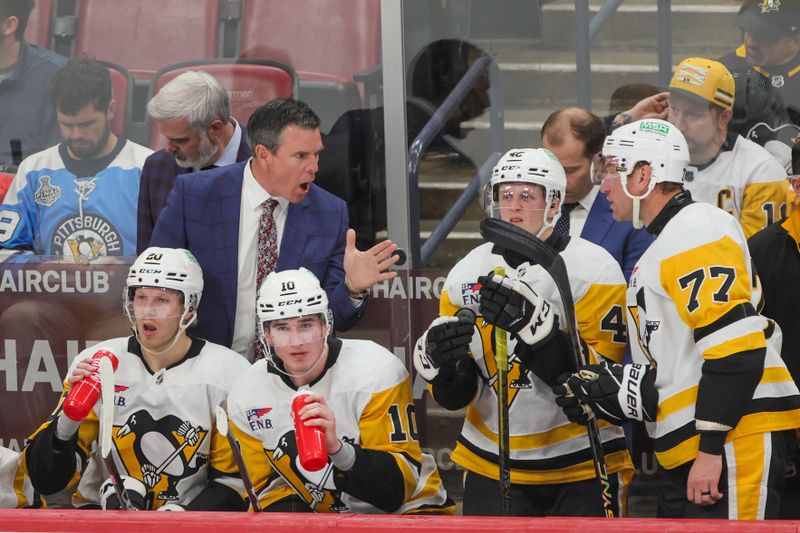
{"x":562,"y":225}
{"x":266,"y":256}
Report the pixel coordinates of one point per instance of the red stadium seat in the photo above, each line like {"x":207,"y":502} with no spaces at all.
{"x":5,"y":182}
{"x":326,"y":41}
{"x":38,"y":29}
{"x":147,"y":35}
{"x":122,"y":92}
{"x":250,"y":84}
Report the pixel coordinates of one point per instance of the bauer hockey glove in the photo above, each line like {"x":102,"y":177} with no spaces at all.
{"x":616,"y":393}
{"x":444,"y":343}
{"x":512,"y":305}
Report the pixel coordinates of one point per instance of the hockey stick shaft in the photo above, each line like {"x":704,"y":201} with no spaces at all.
{"x":516,"y":246}
{"x":224,"y":429}
{"x":106,"y":371}
{"x":504,"y":441}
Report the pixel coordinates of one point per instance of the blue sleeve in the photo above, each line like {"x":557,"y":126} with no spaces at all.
{"x":18,"y":217}
{"x":637,"y":242}
{"x":170,"y":230}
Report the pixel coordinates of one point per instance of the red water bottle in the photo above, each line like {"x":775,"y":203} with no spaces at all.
{"x":311,"y":448}
{"x":84,"y":393}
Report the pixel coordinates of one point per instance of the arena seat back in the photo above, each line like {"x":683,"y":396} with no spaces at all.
{"x":250,"y":84}
{"x":38,"y":30}
{"x":147,"y":35}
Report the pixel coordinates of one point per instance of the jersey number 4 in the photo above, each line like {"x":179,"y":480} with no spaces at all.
{"x":694,"y":281}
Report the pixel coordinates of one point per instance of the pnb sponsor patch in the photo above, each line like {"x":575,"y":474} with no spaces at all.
{"x":470,"y":293}
{"x":85,"y":238}
{"x":256,"y":418}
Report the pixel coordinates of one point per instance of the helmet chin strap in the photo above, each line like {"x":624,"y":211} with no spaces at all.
{"x":637,"y":222}
{"x":270,"y":355}
{"x":637,"y":208}
{"x":178,"y":333}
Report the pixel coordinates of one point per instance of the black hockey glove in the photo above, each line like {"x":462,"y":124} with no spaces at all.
{"x":512,"y":305}
{"x":616,"y":393}
{"x":445,"y":342}
{"x":135,"y":489}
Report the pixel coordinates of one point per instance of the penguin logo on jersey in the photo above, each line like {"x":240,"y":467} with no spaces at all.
{"x":85,"y":238}
{"x":160,"y":452}
{"x":650,"y":327}
{"x":46,"y":194}
{"x":317,"y":489}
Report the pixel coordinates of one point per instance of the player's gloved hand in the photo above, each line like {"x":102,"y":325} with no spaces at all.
{"x":616,"y":393}
{"x":134,"y":488}
{"x":512,"y":305}
{"x":445,"y":342}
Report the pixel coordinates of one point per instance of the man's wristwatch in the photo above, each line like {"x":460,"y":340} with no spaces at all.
{"x":354,"y":294}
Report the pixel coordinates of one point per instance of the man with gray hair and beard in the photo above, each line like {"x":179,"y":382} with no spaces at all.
{"x":193,"y":114}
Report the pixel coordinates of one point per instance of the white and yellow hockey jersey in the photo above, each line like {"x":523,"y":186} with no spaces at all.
{"x":15,"y":487}
{"x":692,"y":304}
{"x":369,"y":390}
{"x":747,"y":182}
{"x":164,"y":431}
{"x":545,"y":446}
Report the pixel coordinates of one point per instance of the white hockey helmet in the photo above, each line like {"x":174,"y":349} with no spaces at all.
{"x":537,"y":166}
{"x":289,"y":294}
{"x":167,"y":268}
{"x":653,"y":141}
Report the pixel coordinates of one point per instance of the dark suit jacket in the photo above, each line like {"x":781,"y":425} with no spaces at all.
{"x":620,"y":239}
{"x":158,"y":177}
{"x":202,"y":215}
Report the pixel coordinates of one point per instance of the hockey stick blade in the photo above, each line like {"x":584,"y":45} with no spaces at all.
{"x":106,"y":371}
{"x":224,"y":430}
{"x":516,"y":245}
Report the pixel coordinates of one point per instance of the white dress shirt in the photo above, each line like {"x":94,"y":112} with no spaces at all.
{"x":231,"y":151}
{"x":253,"y":195}
{"x":579,"y":214}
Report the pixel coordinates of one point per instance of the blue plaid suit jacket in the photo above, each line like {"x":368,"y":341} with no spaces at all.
{"x":619,"y":239}
{"x":202,"y":215}
{"x":158,"y":177}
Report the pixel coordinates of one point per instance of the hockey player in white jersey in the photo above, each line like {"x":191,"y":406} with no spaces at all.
{"x":167,"y":386}
{"x":360,"y":395}
{"x":708,"y":380}
{"x":551,"y":467}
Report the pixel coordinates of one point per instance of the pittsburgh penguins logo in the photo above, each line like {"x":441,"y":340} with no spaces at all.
{"x":85,"y":238}
{"x":317,"y":489}
{"x":160,"y":452}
